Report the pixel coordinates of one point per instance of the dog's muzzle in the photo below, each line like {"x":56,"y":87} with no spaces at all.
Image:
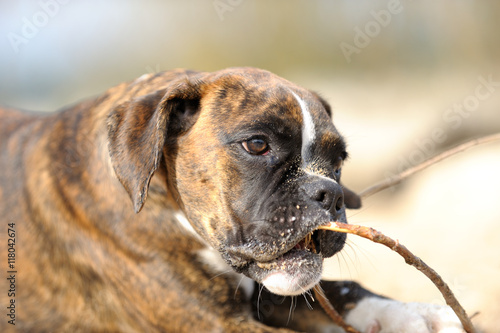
{"x":287,"y":254}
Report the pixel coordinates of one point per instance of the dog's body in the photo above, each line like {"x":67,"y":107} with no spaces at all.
{"x":239,"y":168}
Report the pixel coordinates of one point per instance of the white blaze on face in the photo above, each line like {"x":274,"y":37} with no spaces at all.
{"x":308,"y":137}
{"x":308,"y":130}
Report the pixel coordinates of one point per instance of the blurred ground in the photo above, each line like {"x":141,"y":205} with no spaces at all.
{"x":406,"y":80}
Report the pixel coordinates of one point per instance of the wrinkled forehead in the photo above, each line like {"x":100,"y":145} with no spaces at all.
{"x":264,"y":96}
{"x":266,"y":101}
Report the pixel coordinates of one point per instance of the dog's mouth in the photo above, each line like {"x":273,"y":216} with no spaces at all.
{"x":309,"y":243}
{"x":300,"y":268}
{"x":321,"y":242}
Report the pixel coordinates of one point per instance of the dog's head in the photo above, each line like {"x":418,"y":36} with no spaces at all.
{"x":255,"y":162}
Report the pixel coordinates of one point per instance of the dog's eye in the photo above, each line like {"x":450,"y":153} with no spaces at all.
{"x":337,"y":172}
{"x":338,"y":168}
{"x":256,"y":146}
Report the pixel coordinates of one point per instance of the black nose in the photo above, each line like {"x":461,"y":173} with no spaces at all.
{"x":327,"y":193}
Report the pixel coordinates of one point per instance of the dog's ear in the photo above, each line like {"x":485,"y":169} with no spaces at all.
{"x":323,"y":102}
{"x":137,"y":131}
{"x":351,"y":199}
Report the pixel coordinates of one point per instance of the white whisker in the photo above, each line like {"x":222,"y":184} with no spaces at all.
{"x":309,"y":306}
{"x":258,"y":301}
{"x":222,"y":273}
{"x":238,"y":286}
{"x":293,"y":305}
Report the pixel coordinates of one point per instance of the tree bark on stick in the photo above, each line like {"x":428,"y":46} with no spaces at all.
{"x":330,"y":310}
{"x":411,"y":259}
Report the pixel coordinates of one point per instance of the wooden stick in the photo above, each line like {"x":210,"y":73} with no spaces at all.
{"x":330,"y":310}
{"x":411,"y":259}
{"x":382,"y":185}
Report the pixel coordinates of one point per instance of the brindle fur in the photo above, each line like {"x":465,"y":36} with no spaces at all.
{"x":88,"y":259}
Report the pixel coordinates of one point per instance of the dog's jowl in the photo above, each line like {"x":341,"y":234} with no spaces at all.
{"x":183,"y":202}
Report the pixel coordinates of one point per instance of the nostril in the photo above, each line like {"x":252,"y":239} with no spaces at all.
{"x":324,"y":198}
{"x":339,"y":204}
{"x":328,"y":195}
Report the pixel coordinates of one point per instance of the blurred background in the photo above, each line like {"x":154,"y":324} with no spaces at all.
{"x":406,"y":80}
